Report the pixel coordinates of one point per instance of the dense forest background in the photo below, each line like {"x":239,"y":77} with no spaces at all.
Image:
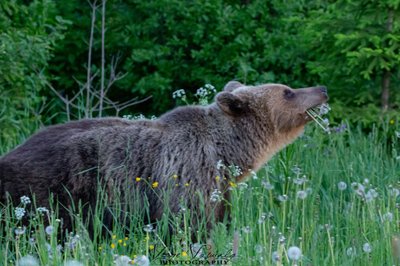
{"x":58,"y":58}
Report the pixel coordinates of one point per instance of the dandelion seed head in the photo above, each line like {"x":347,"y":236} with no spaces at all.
{"x":351,"y":252}
{"x":141,"y":261}
{"x":73,"y":263}
{"x":294,"y":253}
{"x":123,"y":261}
{"x":246,"y":229}
{"x":301,"y":194}
{"x":20,"y":230}
{"x":283,"y":198}
{"x":49,"y":229}
{"x":342,"y":186}
{"x":387,"y":217}
{"x":296,"y":170}
{"x":148,"y":228}
{"x":300,"y":181}
{"x":367,"y":248}
{"x":259,"y":248}
{"x":28,"y":260}
{"x":267,"y":185}
{"x":275,"y":257}
{"x":395,"y":192}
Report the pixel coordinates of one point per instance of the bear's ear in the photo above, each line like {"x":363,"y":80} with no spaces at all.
{"x":231,"y":85}
{"x":231,"y":104}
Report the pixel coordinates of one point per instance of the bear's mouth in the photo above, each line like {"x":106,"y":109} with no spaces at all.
{"x":316,"y":113}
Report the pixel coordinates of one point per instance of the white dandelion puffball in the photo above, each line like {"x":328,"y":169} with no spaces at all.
{"x":342,"y":186}
{"x":28,"y":261}
{"x":367,"y":248}
{"x":49,"y":229}
{"x":294,"y":253}
{"x":123,"y":261}
{"x":142,"y":261}
{"x":73,"y":263}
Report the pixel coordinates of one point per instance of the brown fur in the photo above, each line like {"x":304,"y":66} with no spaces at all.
{"x":245,"y":127}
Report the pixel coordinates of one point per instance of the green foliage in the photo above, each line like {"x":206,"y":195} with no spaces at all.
{"x":296,"y":200}
{"x":28,"y":34}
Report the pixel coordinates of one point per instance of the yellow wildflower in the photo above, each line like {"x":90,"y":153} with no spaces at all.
{"x":155,"y":184}
{"x":114,"y":236}
{"x":232,"y":184}
{"x":151,"y":247}
{"x":217,"y":178}
{"x":124,"y":244}
{"x":138,"y":179}
{"x":184,"y":254}
{"x":126,"y":238}
{"x":119,"y":241}
{"x":175,"y":176}
{"x":112,"y":245}
{"x":186,"y":184}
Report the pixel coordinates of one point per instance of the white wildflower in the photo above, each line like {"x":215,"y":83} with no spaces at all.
{"x":294,"y":253}
{"x":19,"y":213}
{"x":28,"y":260}
{"x":387,"y":217}
{"x":324,"y":109}
{"x":42,"y":210}
{"x":141,"y":261}
{"x":367,"y":248}
{"x":25,"y":200}
{"x":235,"y":170}
{"x":342,"y":186}
{"x":216,"y":196}
{"x":220,"y":165}
{"x":178,"y":94}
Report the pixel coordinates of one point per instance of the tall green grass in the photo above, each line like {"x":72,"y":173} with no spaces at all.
{"x":295,"y":200}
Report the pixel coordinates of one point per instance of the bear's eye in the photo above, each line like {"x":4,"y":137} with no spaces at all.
{"x":288,"y":94}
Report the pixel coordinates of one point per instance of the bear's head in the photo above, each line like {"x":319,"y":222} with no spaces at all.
{"x":285,"y":108}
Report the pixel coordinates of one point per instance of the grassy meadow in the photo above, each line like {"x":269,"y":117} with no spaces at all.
{"x":327,"y":199}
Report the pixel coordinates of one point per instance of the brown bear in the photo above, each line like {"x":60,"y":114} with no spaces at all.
{"x":243,"y":128}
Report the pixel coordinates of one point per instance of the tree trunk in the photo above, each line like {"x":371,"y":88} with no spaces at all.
{"x":385,"y":90}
